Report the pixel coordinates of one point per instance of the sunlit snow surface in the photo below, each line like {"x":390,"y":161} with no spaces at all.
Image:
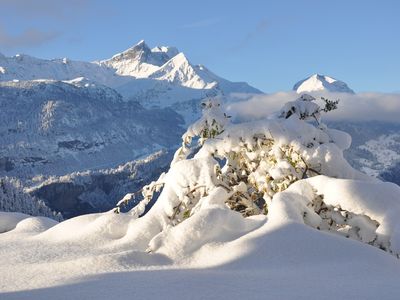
{"x":273,"y":261}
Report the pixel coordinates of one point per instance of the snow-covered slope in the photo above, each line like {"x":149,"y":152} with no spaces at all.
{"x":25,"y":67}
{"x":318,"y":83}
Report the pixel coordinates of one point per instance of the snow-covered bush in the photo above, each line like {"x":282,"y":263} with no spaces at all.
{"x":248,"y":168}
{"x":363,"y":210}
{"x":306,"y":109}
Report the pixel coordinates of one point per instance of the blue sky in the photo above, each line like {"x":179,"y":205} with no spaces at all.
{"x":270,"y":44}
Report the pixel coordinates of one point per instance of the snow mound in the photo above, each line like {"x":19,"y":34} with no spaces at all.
{"x":19,"y":222}
{"x":318,"y":83}
{"x":362,"y":210}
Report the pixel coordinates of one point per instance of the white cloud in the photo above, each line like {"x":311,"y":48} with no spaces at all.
{"x":44,"y":8}
{"x":358,"y":107}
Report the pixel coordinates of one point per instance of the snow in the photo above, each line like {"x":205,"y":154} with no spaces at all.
{"x":192,"y":244}
{"x":340,"y":138}
{"x":378,"y":200}
{"x":288,"y":260}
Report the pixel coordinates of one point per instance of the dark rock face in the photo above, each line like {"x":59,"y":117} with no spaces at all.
{"x":6,"y":164}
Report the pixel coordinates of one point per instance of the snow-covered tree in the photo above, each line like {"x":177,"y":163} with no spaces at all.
{"x":253,"y":166}
{"x":248,"y":167}
{"x":13,"y":198}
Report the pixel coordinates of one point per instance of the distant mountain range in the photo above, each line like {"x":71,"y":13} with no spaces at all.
{"x":161,"y":76}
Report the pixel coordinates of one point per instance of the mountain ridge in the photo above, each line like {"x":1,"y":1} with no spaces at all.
{"x":136,"y":62}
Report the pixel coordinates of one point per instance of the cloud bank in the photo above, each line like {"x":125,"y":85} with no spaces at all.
{"x":28,"y":38}
{"x":359,"y":107}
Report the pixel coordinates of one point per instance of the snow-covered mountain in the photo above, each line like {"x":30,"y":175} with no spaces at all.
{"x":25,"y":67}
{"x":318,"y":83}
{"x":56,"y":127}
{"x":169,"y":65}
{"x":140,"y":61}
{"x":161,"y":76}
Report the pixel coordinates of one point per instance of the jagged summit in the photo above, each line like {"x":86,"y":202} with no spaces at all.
{"x":134,"y":51}
{"x":139,"y":47}
{"x":318,"y":82}
{"x":167,"y":64}
{"x":140,"y":61}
